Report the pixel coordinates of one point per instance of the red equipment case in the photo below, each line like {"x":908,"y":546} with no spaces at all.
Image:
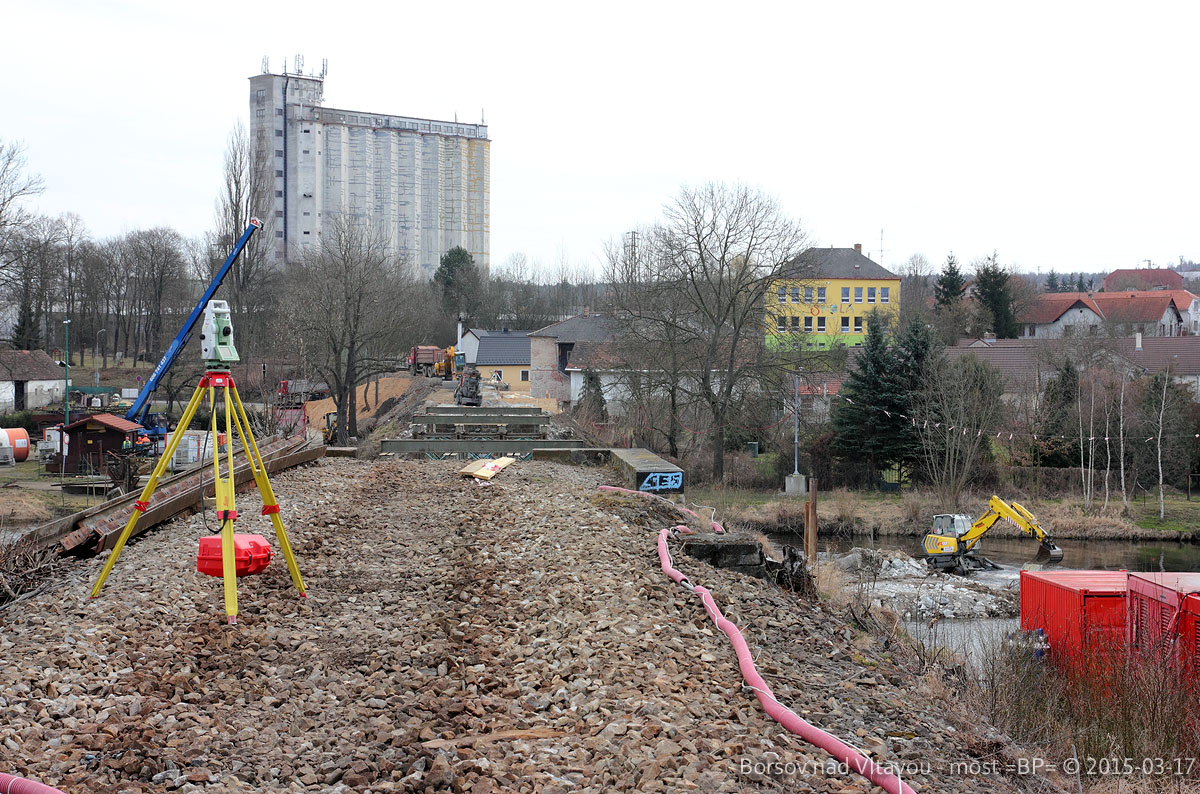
{"x":1081,"y":612}
{"x":251,"y":553}
{"x":1161,"y":603}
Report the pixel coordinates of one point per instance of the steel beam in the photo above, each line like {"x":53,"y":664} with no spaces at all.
{"x":491,"y":410}
{"x":404,"y":446}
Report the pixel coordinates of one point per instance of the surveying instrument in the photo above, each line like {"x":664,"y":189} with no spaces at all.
{"x":216,"y":346}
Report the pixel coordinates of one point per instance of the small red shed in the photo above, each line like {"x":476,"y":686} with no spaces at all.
{"x":89,"y":438}
{"x":1165,"y":606}
{"x":1081,"y":612}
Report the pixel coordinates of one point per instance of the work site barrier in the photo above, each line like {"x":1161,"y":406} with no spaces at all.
{"x":782,"y":714}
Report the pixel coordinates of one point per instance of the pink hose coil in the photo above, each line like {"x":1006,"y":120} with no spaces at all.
{"x":19,"y":785}
{"x":776,"y":710}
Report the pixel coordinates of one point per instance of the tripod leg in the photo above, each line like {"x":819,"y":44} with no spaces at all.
{"x":148,"y":491}
{"x":270,"y":503}
{"x":227,"y":513}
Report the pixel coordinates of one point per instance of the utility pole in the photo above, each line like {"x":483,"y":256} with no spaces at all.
{"x":66,"y":372}
{"x":796,"y":428}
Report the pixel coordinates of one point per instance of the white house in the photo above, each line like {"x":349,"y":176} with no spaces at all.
{"x":29,"y":379}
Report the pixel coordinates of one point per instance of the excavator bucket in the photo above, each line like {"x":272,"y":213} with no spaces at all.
{"x":1048,"y":554}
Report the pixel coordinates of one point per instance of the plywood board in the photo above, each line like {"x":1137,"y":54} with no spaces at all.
{"x":485,"y":469}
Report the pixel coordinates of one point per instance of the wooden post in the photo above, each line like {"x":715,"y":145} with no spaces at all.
{"x":810,"y":524}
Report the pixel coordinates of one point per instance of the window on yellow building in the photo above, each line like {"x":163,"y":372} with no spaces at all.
{"x":781,"y":324}
{"x":845,"y":294}
{"x":796,"y":325}
{"x":808,"y":294}
{"x":808,"y":325}
{"x":870,"y":294}
{"x":820,"y":325}
{"x":884,"y":294}
{"x":795,"y":294}
{"x":845,"y":324}
{"x":858,"y":294}
{"x":783,"y":294}
{"x":820,"y":294}
{"x":858,"y":325}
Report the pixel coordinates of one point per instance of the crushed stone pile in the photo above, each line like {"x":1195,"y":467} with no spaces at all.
{"x":515,"y":636}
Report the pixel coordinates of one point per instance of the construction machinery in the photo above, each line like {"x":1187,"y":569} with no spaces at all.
{"x":468,"y":391}
{"x":329,"y":433}
{"x":447,"y":364}
{"x":422,"y":358}
{"x":156,"y":425}
{"x":953,"y":543}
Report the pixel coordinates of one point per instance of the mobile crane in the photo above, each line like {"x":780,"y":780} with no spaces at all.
{"x":156,"y":424}
{"x":953,"y":542}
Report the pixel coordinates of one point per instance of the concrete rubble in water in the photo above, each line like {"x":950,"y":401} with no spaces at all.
{"x":441,"y":613}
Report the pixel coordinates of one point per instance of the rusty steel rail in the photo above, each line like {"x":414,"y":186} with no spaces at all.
{"x":97,"y":527}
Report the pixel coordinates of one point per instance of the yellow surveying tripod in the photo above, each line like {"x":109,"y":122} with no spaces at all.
{"x":217,"y":345}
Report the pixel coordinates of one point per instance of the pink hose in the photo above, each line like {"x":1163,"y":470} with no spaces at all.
{"x":19,"y":785}
{"x":716,"y":527}
{"x":780,"y":713}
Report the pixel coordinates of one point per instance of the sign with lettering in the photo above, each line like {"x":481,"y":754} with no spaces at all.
{"x":661,"y":481}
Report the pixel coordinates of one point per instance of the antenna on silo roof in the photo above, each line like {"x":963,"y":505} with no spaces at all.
{"x":299,"y":64}
{"x":266,"y":64}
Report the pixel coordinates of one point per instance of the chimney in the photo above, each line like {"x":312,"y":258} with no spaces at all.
{"x":1137,"y":342}
{"x":858,"y":248}
{"x":458,"y":343}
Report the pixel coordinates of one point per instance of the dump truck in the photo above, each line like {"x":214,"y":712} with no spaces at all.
{"x":953,"y":543}
{"x":422,"y":359}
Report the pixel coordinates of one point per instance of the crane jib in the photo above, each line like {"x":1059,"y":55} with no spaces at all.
{"x":141,"y":405}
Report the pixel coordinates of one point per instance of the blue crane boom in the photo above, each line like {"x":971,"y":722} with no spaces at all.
{"x":141,"y":406}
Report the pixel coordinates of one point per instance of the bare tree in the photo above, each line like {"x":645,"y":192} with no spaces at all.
{"x":350,"y":301}
{"x":960,"y":408}
{"x":16,"y":186}
{"x":703,"y":285}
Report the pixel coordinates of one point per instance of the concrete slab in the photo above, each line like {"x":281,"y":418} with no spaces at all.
{"x":646,"y":471}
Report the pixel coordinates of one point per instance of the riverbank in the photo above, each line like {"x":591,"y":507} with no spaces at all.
{"x":910,"y":514}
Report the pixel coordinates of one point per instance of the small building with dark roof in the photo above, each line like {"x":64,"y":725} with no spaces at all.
{"x":1142,"y":279}
{"x":551,"y":348}
{"x":29,"y":379}
{"x":504,"y":355}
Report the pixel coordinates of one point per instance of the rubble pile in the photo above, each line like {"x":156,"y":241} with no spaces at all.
{"x":911,"y":589}
{"x":516,"y":635}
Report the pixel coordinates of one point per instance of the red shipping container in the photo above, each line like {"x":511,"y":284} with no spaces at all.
{"x":1165,"y":602}
{"x":251,"y":553}
{"x":1081,"y":612}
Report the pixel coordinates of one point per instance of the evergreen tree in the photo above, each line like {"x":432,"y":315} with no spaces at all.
{"x":869,"y":433}
{"x":993,"y":292}
{"x":1079,"y":285}
{"x":916,"y":356}
{"x":25,"y":333}
{"x":1059,"y":421}
{"x":592,"y":405}
{"x":458,"y":278}
{"x":950,"y":284}
{"x":1052,"y":284}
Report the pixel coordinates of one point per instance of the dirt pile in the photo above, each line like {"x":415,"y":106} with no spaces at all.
{"x":514,"y":636}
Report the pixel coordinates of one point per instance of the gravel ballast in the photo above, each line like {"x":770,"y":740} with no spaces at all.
{"x":513,"y":636}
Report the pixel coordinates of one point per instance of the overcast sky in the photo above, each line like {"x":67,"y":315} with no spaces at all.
{"x":1061,"y":135}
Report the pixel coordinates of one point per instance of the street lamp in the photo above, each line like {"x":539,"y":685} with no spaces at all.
{"x":66,"y":372}
{"x":96,"y":355}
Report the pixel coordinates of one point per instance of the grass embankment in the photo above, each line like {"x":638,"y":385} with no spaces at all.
{"x":909,"y":513}
{"x":22,"y":503}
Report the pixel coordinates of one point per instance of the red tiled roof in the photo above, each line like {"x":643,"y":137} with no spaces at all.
{"x":1134,"y":307}
{"x":28,"y":365}
{"x":109,"y":421}
{"x":829,"y":387}
{"x":1143,"y":277}
{"x":1048,"y":308}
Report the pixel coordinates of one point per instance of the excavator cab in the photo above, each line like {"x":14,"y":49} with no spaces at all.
{"x":953,"y":542}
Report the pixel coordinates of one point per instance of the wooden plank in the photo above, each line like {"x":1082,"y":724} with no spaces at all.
{"x":486,"y":469}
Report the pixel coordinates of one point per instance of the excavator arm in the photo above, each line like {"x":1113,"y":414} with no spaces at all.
{"x":1024,"y":521}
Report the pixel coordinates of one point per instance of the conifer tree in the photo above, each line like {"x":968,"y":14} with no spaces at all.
{"x":1052,"y":283}
{"x":868,"y":426}
{"x":993,"y":292}
{"x":950,"y":284}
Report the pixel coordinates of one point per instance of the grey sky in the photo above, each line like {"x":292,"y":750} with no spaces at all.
{"x":1063,"y":135}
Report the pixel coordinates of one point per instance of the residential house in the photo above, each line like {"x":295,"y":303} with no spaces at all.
{"x":504,"y":356}
{"x":1142,"y":279}
{"x":90,"y":439}
{"x":29,"y":379}
{"x":828,"y":297}
{"x":550,"y":351}
{"x":1061,"y":314}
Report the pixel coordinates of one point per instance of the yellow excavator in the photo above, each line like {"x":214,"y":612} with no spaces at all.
{"x":953,"y":542}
